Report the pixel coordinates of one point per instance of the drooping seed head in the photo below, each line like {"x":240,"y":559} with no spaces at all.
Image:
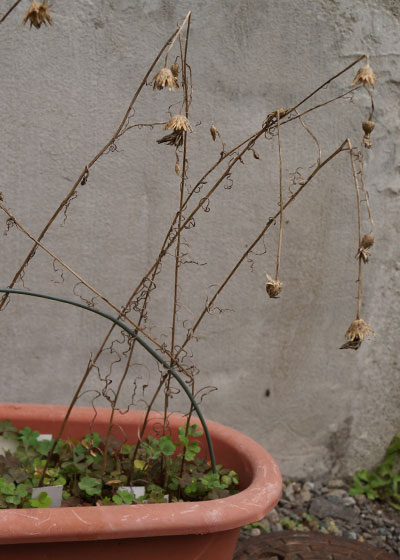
{"x":358,"y":331}
{"x":38,"y":13}
{"x":164,"y":78}
{"x":273,"y":287}
{"x":365,"y":75}
{"x":368,"y":126}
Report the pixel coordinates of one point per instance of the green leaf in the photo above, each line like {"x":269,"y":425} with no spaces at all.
{"x":91,"y":486}
{"x":42,"y":501}
{"x":167,"y":447}
{"x":28,"y":436}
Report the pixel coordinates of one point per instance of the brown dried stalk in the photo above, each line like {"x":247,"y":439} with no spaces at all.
{"x":254,"y":243}
{"x":84,"y":172}
{"x":357,"y":187}
{"x":9,"y":11}
{"x":92,"y":289}
{"x":167,"y":242}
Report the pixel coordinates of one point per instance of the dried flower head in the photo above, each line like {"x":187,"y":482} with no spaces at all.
{"x":355,"y":334}
{"x":365,"y":75}
{"x":38,"y":13}
{"x":366,"y":243}
{"x":273,"y":287}
{"x":368,"y":126}
{"x":213,"y":132}
{"x":164,"y":78}
{"x":178,"y":122}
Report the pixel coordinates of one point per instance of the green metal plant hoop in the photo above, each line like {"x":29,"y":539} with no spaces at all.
{"x":134,"y":335}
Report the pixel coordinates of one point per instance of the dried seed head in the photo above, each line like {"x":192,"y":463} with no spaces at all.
{"x":368,"y":126}
{"x":365,"y":75}
{"x":213,"y":131}
{"x":367,"y":241}
{"x":164,"y":78}
{"x":175,"y":69}
{"x":178,"y":122}
{"x":273,"y":287}
{"x":355,"y":334}
{"x":177,"y":168}
{"x":38,"y":13}
{"x":256,"y":155}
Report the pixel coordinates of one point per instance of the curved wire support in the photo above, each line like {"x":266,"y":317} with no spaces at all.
{"x":134,"y":335}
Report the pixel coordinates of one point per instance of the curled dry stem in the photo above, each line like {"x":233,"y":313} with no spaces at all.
{"x":84,"y":172}
{"x":255,"y":242}
{"x":92,"y":289}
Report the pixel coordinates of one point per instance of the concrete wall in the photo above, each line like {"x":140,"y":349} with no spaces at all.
{"x":64,"y":90}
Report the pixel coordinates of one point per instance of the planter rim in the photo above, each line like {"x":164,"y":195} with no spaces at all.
{"x":143,"y":520}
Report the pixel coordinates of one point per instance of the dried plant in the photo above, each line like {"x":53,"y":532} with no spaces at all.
{"x":195,"y":197}
{"x":37,"y":14}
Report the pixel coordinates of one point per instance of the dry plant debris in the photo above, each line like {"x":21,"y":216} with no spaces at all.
{"x":165,"y":78}
{"x":273,"y":287}
{"x":365,"y":76}
{"x":366,"y":243}
{"x":356,"y":333}
{"x":38,"y":13}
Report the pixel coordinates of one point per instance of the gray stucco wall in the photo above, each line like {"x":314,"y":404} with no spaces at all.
{"x":64,"y":90}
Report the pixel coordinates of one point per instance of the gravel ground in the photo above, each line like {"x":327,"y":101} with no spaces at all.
{"x":326,"y":506}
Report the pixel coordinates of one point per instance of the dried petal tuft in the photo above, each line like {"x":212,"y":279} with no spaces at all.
{"x":38,"y":13}
{"x":177,"y":168}
{"x":173,"y":139}
{"x":355,"y":334}
{"x":365,"y":75}
{"x":164,"y":78}
{"x":367,"y":141}
{"x":213,"y":131}
{"x":273,"y":287}
{"x":178,"y":122}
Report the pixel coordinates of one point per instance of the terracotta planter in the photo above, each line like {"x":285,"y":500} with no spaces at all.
{"x":180,"y":531}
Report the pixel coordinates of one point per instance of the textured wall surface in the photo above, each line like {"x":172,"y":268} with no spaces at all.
{"x":280,"y":375}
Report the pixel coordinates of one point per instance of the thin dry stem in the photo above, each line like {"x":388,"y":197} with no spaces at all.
{"x":91,"y":288}
{"x":181,"y":193}
{"x":177,"y":34}
{"x":356,"y":185}
{"x":65,"y":420}
{"x":303,"y":124}
{"x":9,"y":11}
{"x":255,"y":242}
{"x":278,"y":256}
{"x":84,"y":172}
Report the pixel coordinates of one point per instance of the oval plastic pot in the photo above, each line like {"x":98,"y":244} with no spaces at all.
{"x":180,"y":531}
